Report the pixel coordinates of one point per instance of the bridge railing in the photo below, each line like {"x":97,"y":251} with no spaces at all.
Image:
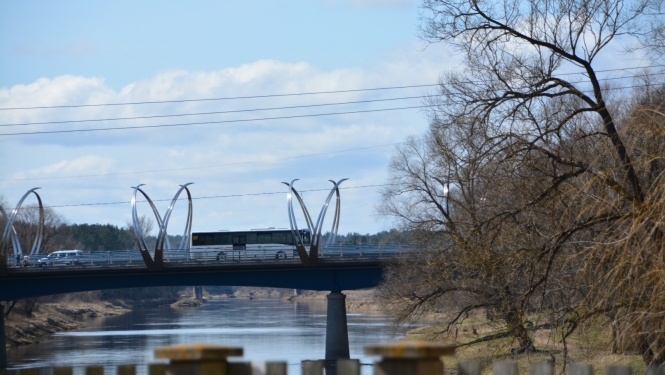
{"x":397,"y":358}
{"x":221,"y":255}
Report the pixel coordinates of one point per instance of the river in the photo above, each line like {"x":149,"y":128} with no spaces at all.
{"x":267,"y":329}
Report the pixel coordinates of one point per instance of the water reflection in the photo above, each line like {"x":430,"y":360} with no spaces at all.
{"x":267,"y":329}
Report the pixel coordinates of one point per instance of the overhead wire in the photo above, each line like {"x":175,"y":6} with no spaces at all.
{"x":236,"y":120}
{"x":284,"y":95}
{"x":209,"y":122}
{"x":215,"y":196}
{"x":215,"y":112}
{"x":222,"y":98}
{"x":252,"y":109}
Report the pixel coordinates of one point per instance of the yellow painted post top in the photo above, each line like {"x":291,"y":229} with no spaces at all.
{"x":410,"y":350}
{"x":197,"y":352}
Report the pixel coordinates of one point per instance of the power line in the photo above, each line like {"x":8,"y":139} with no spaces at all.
{"x":210,"y":122}
{"x":216,"y":196}
{"x":202,"y":167}
{"x":256,"y":109}
{"x":223,"y":98}
{"x":282,"y":95}
{"x":239,"y":120}
{"x":268,"y":108}
{"x":213,"y":113}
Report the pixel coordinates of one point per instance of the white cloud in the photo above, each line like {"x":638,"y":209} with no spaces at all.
{"x":84,"y":165}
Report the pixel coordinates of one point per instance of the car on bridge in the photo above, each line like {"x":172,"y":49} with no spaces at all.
{"x":61,"y":258}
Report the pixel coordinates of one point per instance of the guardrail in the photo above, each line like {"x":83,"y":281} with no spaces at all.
{"x":217,"y":256}
{"x":397,"y":358}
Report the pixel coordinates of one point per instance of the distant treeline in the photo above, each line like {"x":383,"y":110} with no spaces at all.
{"x":94,"y":237}
{"x":105,"y":237}
{"x":392,"y":235}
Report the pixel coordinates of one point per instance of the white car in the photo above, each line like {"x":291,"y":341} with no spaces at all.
{"x":61,"y":258}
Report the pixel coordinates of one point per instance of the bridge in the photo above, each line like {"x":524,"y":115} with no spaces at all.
{"x":316,"y":266}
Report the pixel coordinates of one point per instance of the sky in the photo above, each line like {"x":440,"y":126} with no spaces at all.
{"x":98,"y":52}
{"x":74,"y":53}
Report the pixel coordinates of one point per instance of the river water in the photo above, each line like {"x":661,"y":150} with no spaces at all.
{"x":267,"y":329}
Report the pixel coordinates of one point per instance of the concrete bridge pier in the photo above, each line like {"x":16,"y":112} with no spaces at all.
{"x":337,"y":334}
{"x":198,"y":292}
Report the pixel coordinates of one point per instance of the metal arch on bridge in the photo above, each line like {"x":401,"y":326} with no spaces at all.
{"x":312,"y":258}
{"x":157,"y":264}
{"x":9,"y":234}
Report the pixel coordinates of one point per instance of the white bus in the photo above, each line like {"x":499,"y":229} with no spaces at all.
{"x":253,"y":243}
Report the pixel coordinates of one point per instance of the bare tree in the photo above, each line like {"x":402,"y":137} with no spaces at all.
{"x":146,"y":225}
{"x":526,"y":171}
{"x":26,"y":225}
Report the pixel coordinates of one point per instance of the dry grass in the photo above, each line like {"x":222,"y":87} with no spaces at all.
{"x":589,"y":344}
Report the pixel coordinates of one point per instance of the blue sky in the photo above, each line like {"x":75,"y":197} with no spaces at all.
{"x":125,"y":41}
{"x":55,"y":53}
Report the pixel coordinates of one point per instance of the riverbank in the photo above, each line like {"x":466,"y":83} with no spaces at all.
{"x":26,"y":321}
{"x":365,"y":300}
{"x":590,"y":343}
{"x":42,"y":319}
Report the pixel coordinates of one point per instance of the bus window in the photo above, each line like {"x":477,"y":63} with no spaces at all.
{"x":202,"y":240}
{"x":251,"y":238}
{"x":305,"y":238}
{"x":239,"y":240}
{"x":222,"y":239}
{"x":279,"y":238}
{"x":264,"y":238}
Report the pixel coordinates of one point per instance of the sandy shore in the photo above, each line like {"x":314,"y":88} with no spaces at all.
{"x":47,"y":318}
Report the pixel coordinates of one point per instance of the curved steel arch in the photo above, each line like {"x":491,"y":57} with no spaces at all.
{"x":316,"y":229}
{"x":162,"y":238}
{"x":13,"y":234}
{"x":9,"y":233}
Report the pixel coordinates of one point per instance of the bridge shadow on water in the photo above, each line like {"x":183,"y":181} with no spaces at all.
{"x":268,"y":329}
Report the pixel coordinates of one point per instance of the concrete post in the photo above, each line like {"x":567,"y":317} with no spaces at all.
{"x":542,"y":368}
{"x":580,"y":369}
{"x":311,"y":367}
{"x":619,"y":370}
{"x":3,"y":337}
{"x":197,"y":359}
{"x":63,"y":371}
{"x":198,"y":292}
{"x":337,"y":335}
{"x":94,"y":370}
{"x":348,"y":367}
{"x":468,"y":368}
{"x":409,"y":357}
{"x":504,"y":368}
